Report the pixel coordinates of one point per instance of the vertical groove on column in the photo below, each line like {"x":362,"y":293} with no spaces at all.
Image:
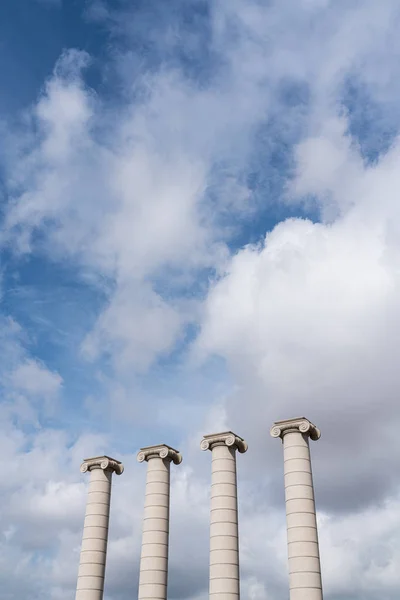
{"x":153,"y":577}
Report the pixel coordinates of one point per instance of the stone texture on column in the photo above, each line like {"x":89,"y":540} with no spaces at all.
{"x":224,"y":535}
{"x":153,"y":577}
{"x":92,"y":563}
{"x":302,"y":535}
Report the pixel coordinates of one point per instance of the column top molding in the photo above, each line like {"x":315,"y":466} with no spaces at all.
{"x":300,"y":424}
{"x":227,"y":437}
{"x":161,"y":451}
{"x":102,"y":462}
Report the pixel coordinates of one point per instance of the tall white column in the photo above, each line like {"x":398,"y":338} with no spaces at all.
{"x":224,"y":534}
{"x":92,"y":563}
{"x":153,"y":577}
{"x":302,"y":535}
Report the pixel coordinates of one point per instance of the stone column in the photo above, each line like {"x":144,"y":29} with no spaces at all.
{"x":302,"y":535}
{"x":153,"y":577}
{"x":224,"y":535}
{"x":92,"y":563}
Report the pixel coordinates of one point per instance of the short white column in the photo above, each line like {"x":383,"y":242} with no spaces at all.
{"x":92,"y":563}
{"x":224,"y":534}
{"x":153,"y":577}
{"x":302,"y":535}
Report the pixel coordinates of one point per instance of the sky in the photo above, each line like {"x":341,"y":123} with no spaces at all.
{"x":200,"y":231}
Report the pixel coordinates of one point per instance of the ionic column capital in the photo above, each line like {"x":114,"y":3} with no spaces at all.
{"x":300,"y":424}
{"x":161,"y":451}
{"x":102,"y":462}
{"x":225,"y":438}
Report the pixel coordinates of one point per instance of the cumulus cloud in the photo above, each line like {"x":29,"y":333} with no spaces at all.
{"x":144,"y":196}
{"x":153,"y":327}
{"x":143,"y":205}
{"x":35,"y":379}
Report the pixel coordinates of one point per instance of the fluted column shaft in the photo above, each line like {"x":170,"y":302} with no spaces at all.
{"x":92,"y":564}
{"x":153,"y":577}
{"x":224,"y":533}
{"x":302,"y":534}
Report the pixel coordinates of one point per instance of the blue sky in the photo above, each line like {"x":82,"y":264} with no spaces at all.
{"x":199,"y":231}
{"x":51,"y":297}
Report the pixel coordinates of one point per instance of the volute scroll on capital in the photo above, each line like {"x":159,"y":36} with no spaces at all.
{"x":227,"y":437}
{"x":161,"y":451}
{"x":300,"y":424}
{"x":102,"y":462}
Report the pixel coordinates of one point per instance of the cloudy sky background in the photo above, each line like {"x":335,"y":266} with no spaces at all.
{"x":200,"y":230}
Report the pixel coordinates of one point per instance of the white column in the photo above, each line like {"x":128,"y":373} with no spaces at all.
{"x":302,"y":535}
{"x":153,"y":577}
{"x":92,"y":563}
{"x":224,"y":534}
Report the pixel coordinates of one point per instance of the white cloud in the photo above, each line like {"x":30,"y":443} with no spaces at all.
{"x":127,"y":195}
{"x":35,"y":379}
{"x":307,"y":322}
{"x":136,"y":325}
{"x":29,"y":389}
